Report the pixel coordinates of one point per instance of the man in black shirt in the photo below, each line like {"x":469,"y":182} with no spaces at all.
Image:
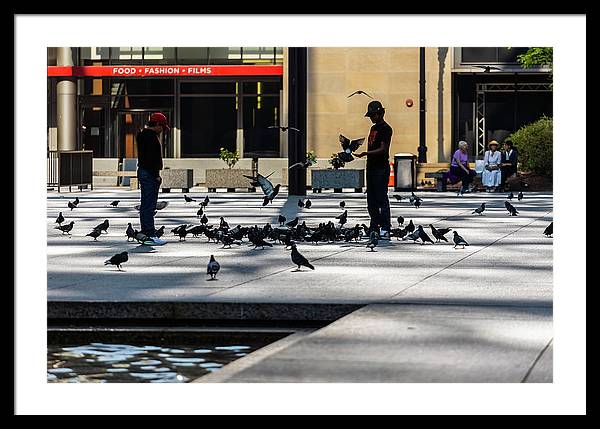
{"x":508,"y":164}
{"x":378,"y":170}
{"x":149,"y":166}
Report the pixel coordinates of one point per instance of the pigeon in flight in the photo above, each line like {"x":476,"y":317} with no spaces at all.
{"x":360,"y":92}
{"x":479,"y":210}
{"x":304,"y":165}
{"x":283,"y":128}
{"x":400,"y":220}
{"x":130,"y":232}
{"x":459,"y":241}
{"x":292,"y":223}
{"x":423,"y":235}
{"x":60,"y":219}
{"x":188,"y":199}
{"x":342,"y":204}
{"x":298,"y":259}
{"x":281,"y":219}
{"x":439,"y":233}
{"x":95,"y":233}
{"x":103,"y":226}
{"x":115,"y":203}
{"x":520,"y":196}
{"x":71,"y":205}
{"x":66,"y":228}
{"x":511,"y":209}
{"x":213,"y":268}
{"x":549,"y":229}
{"x":348,"y":147}
{"x":117,"y":260}
{"x":486,"y":69}
{"x":267,"y":187}
{"x":373,"y":240}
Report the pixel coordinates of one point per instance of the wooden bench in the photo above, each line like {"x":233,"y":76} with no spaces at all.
{"x":440,"y":176}
{"x":440,"y":181}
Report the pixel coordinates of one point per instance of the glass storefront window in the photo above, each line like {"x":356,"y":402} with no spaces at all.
{"x":207,"y":124}
{"x":491,"y":55}
{"x":159,"y":55}
{"x":207,"y":87}
{"x":265,"y":87}
{"x":261,"y":111}
{"x":122,"y":54}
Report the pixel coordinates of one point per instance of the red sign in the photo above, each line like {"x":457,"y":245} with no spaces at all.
{"x":166,"y":70}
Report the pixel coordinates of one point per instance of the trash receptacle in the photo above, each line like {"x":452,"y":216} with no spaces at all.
{"x":405,"y":172}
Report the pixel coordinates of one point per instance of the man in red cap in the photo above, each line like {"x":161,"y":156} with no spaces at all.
{"x":149,"y":166}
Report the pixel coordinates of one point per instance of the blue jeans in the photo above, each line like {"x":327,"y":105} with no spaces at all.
{"x":149,"y":185}
{"x":378,"y":203}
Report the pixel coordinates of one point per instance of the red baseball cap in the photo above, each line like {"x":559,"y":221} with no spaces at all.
{"x":160,"y":119}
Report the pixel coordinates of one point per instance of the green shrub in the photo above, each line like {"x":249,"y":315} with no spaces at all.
{"x":230,"y":158}
{"x":534,"y":143}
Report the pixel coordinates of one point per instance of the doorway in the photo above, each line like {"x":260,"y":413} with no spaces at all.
{"x":128,"y":123}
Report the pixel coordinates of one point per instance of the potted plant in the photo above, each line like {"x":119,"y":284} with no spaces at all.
{"x":230,"y":178}
{"x":337,"y":177}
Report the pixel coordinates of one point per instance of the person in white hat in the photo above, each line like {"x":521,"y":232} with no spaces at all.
{"x":491,"y":175}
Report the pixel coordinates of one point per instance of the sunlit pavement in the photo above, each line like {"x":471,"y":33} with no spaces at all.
{"x":482,"y":313}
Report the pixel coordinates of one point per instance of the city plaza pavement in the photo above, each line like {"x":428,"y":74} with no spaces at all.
{"x":420,"y":312}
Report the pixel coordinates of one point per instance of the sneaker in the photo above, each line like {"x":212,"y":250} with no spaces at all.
{"x":384,"y":235}
{"x":154,"y":241}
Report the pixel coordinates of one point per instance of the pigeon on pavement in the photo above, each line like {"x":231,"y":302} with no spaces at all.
{"x":307,"y":204}
{"x":95,"y":233}
{"x":117,"y":260}
{"x":410,"y":227}
{"x":479,"y":210}
{"x":115,"y":203}
{"x":459,"y":241}
{"x":60,"y":219}
{"x":301,"y":204}
{"x":213,"y":268}
{"x":342,"y":204}
{"x":549,"y":229}
{"x":292,"y":223}
{"x":298,"y":259}
{"x":520,"y":196}
{"x":439,"y":233}
{"x":511,"y":209}
{"x":281,"y":219}
{"x":71,"y":205}
{"x":343,"y":218}
{"x":400,"y":220}
{"x":130,"y":232}
{"x":66,"y":228}
{"x":103,"y":226}
{"x":188,"y":199}
{"x":423,"y":236}
{"x":373,"y":240}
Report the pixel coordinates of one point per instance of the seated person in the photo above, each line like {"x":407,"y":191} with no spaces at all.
{"x":490,"y":177}
{"x":508,"y":165}
{"x":459,"y":168}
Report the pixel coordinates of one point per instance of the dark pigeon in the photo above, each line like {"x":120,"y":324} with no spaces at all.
{"x":281,"y":220}
{"x":298,"y":259}
{"x":117,"y":260}
{"x":549,"y":229}
{"x":423,"y":236}
{"x":479,"y":210}
{"x":213,"y":268}
{"x":60,"y":219}
{"x":66,"y":228}
{"x":115,"y":203}
{"x":95,"y":233}
{"x":130,"y":232}
{"x":188,"y":199}
{"x":373,"y":240}
{"x":103,"y":226}
{"x":459,"y":241}
{"x":511,"y":209}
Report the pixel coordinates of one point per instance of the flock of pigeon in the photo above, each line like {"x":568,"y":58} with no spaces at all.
{"x":287,"y":233}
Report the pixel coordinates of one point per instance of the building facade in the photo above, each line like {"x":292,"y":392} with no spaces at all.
{"x":228,"y":97}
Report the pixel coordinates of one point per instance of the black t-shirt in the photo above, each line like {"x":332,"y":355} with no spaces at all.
{"x":149,"y":151}
{"x":379,"y":134}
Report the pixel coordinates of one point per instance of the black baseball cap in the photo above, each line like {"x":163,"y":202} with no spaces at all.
{"x":374,"y":107}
